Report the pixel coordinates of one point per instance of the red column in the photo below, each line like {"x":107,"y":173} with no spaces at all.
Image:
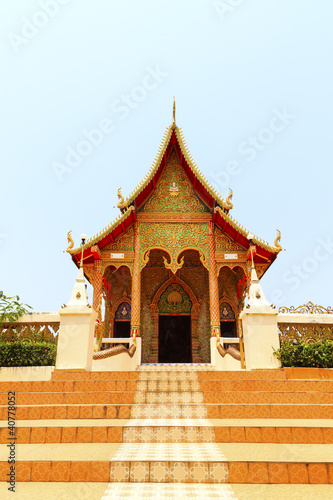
{"x":136,"y":285}
{"x":213,"y":285}
{"x":97,"y":284}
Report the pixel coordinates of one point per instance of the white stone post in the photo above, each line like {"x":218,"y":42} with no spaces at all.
{"x":76,"y":333}
{"x":260,"y":329}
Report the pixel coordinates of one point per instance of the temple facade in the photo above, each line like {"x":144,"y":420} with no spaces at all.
{"x":174,"y":268}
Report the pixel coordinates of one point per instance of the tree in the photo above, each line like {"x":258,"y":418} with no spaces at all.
{"x":11,"y":309}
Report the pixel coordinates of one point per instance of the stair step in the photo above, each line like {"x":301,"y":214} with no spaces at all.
{"x":170,"y":491}
{"x":169,"y":431}
{"x":189,"y":410}
{"x":204,"y":463}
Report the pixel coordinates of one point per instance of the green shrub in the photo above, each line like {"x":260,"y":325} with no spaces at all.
{"x":27,"y":353}
{"x":11,"y":309}
{"x":313,"y":355}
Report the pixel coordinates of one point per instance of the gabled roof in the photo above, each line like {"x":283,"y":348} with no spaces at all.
{"x":173,"y":139}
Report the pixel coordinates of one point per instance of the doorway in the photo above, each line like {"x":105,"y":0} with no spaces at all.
{"x":228,"y":329}
{"x":174,"y":339}
{"x":122,"y":329}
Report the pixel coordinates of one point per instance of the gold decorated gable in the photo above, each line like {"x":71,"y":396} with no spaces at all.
{"x":173,"y":192}
{"x":174,"y":239}
{"x":225,"y":244}
{"x":123,"y":244}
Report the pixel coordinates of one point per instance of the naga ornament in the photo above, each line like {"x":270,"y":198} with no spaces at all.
{"x":227,"y":205}
{"x":121,"y":203}
{"x":277,"y":241}
{"x":70,"y":241}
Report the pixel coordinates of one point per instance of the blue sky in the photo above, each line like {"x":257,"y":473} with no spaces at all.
{"x":253,"y":87}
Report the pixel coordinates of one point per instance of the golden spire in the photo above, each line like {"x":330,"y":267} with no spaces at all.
{"x":173,"y":124}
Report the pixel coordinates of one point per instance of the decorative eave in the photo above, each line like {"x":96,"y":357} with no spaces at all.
{"x":240,"y":234}
{"x":107,"y":235}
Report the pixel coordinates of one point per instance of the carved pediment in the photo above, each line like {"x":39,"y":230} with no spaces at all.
{"x":225,"y":244}
{"x":174,"y":192}
{"x":123,"y":244}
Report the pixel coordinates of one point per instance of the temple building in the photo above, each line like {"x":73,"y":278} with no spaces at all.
{"x":175,"y":266}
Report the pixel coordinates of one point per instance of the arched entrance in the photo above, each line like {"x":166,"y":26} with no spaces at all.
{"x":174,"y":326}
{"x":175,"y":311}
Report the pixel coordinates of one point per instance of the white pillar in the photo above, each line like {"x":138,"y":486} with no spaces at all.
{"x":260,"y":334}
{"x":260,"y":329}
{"x":76,"y":333}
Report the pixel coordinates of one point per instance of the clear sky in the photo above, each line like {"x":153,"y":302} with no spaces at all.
{"x":253,"y":87}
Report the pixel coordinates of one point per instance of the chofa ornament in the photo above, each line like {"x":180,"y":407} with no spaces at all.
{"x":70,"y":241}
{"x":277,"y":241}
{"x":227,"y":204}
{"x":121,"y":203}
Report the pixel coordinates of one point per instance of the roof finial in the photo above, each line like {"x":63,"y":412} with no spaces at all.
{"x":174,"y":112}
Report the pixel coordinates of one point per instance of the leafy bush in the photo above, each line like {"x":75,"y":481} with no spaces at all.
{"x":27,"y":353}
{"x":314,"y":355}
{"x":11,"y":309}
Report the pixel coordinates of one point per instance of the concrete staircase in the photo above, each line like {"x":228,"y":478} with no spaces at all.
{"x":170,"y":431}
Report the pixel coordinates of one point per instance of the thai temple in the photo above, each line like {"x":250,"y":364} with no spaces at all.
{"x":166,"y":381}
{"x":175,"y":267}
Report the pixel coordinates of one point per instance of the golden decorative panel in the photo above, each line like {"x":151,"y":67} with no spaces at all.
{"x":122,"y":244}
{"x":225,"y":244}
{"x":35,"y":332}
{"x":173,"y":192}
{"x":174,"y":239}
{"x":304,"y":332}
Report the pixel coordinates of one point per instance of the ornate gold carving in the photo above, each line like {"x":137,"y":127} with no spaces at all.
{"x":225,"y":244}
{"x":70,"y":241}
{"x":174,"y":239}
{"x":173,"y":265}
{"x":170,"y":217}
{"x":174,"y":182}
{"x":304,"y":332}
{"x":174,"y":300}
{"x":227,"y":204}
{"x":117,"y":264}
{"x":308,"y":308}
{"x":277,"y":241}
{"x":121,"y":203}
{"x":35,"y":332}
{"x":145,"y":258}
{"x":261,"y":269}
{"x":232,"y":266}
{"x":123,"y":244}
